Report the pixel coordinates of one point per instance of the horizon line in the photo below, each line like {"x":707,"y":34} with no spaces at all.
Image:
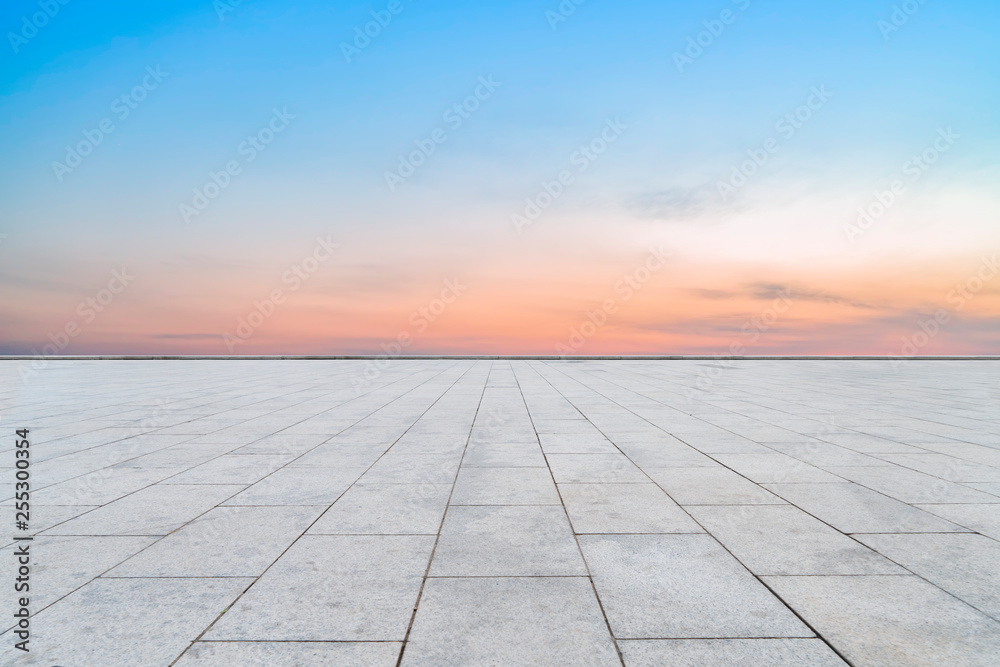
{"x":496,"y":357}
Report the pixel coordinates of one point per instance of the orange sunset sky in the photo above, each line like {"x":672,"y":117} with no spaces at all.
{"x":807,"y":182}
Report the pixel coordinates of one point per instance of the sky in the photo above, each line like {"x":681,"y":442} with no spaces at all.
{"x":522,"y":177}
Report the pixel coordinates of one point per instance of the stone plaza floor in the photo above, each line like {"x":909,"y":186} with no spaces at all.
{"x":506,"y":512}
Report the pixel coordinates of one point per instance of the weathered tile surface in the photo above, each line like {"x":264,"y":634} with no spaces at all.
{"x":682,"y":586}
{"x":509,"y":512}
{"x":510,"y":621}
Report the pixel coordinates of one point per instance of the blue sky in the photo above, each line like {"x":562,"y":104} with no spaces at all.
{"x":891,"y":93}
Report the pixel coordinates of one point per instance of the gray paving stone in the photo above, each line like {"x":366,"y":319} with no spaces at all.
{"x":624,"y":508}
{"x":869,"y":444}
{"x":504,"y":486}
{"x":722,"y":443}
{"x":59,"y":565}
{"x":432,"y":445}
{"x":386,"y":509}
{"x":223,"y":542}
{"x":155,"y":510}
{"x":299,"y":486}
{"x":665,"y":455}
{"x":127,"y":621}
{"x":106,"y":442}
{"x":331,"y":455}
{"x":911,"y":486}
{"x":892,"y":620}
{"x":333,"y":588}
{"x":855,"y":509}
{"x":681,"y":586}
{"x":509,"y":621}
{"x":824,"y":454}
{"x":413,"y":469}
{"x":728,"y":653}
{"x":292,"y":654}
{"x":231,"y":469}
{"x":180,"y":457}
{"x":946,"y":467}
{"x":286,"y":444}
{"x":711,"y":486}
{"x":99,"y":487}
{"x":983,"y":519}
{"x":775,"y":468}
{"x":987,"y":456}
{"x":480,"y":541}
{"x":544,"y":423}
{"x":594,"y":469}
{"x":576,"y":443}
{"x":992,"y":489}
{"x":782,"y":539}
{"x":494,"y":454}
{"x":964,"y":564}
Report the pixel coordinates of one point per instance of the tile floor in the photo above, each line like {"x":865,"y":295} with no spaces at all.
{"x":507,"y":512}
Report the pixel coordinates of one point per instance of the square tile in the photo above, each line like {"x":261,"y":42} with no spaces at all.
{"x":729,"y":653}
{"x":480,"y":541}
{"x":155,"y":510}
{"x":782,"y":539}
{"x":504,"y":486}
{"x":332,"y":588}
{"x":624,"y":508}
{"x":386,"y":509}
{"x":292,"y":654}
{"x":964,"y":564}
{"x":509,"y":621}
{"x":892,"y":620}
{"x":223,"y":542}
{"x":299,"y":486}
{"x":594,"y":469}
{"x":711,"y":486}
{"x":681,"y":586}
{"x":855,"y":509}
{"x":129,"y":621}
